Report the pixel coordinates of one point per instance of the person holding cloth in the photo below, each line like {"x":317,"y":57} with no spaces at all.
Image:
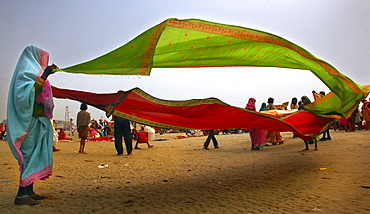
{"x":30,"y":132}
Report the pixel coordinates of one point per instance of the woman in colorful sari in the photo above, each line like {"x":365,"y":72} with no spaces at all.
{"x":30,"y":132}
{"x":305,"y":101}
{"x":258,"y":136}
{"x":273,"y":137}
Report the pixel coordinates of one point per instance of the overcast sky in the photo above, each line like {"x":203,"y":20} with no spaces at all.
{"x":74,"y":31}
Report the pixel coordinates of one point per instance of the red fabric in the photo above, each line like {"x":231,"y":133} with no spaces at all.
{"x":62,"y":136}
{"x":101,"y":139}
{"x":201,"y":114}
{"x":100,"y":101}
{"x":142,"y":137}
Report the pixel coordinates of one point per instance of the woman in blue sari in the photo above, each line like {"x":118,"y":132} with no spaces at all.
{"x":30,"y":132}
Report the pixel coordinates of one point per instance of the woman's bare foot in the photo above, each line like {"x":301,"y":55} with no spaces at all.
{"x":316,"y":149}
{"x":25,"y":200}
{"x":38,"y":197}
{"x":305,"y":149}
{"x":83,"y":152}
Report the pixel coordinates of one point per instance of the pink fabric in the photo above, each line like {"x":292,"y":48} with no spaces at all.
{"x":46,"y":96}
{"x":250,"y":105}
{"x":258,"y":137}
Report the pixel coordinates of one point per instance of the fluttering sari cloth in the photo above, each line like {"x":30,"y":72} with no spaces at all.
{"x":258,"y":136}
{"x":30,"y":138}
{"x":203,"y":114}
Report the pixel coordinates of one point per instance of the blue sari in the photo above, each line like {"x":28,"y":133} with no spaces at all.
{"x":30,"y":138}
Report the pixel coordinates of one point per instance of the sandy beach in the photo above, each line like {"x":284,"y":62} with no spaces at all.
{"x":178,"y":176}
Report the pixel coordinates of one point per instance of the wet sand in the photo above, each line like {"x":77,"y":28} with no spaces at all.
{"x":178,"y":176}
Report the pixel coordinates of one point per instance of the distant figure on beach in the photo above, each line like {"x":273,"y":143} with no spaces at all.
{"x":211,"y":136}
{"x":72,"y":126}
{"x":122,"y":127}
{"x":55,"y":136}
{"x":30,"y":131}
{"x":294,"y":104}
{"x":306,"y":101}
{"x":258,"y":136}
{"x":326,"y":133}
{"x":144,"y":134}
{"x":358,"y":119}
{"x":273,"y":137}
{"x":316,"y":95}
{"x":263,"y":107}
{"x":366,"y":113}
{"x":62,"y":135}
{"x":83,"y":120}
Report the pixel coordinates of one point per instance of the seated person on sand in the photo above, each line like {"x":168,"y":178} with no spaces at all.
{"x":144,"y":134}
{"x":62,"y":135}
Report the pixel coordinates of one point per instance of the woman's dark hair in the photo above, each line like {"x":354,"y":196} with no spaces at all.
{"x":83,"y":106}
{"x":270,"y":100}
{"x":294,"y":100}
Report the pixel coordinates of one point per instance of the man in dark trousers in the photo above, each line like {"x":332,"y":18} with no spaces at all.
{"x":122,"y":127}
{"x":211,"y":136}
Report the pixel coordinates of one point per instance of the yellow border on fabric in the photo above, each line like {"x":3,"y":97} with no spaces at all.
{"x":146,"y":64}
{"x":110,"y":109}
{"x":193,"y":102}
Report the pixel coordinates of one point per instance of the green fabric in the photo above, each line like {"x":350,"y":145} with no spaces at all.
{"x":197,"y":43}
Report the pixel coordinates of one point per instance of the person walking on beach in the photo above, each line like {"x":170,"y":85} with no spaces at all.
{"x":122,"y":127}
{"x":211,"y":136}
{"x":83,"y":120}
{"x":30,"y":132}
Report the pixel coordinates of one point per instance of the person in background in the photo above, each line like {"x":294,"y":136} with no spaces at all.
{"x":366,"y":113}
{"x":258,"y":136}
{"x":62,"y":135}
{"x":263,"y":107}
{"x":55,"y":136}
{"x":294,"y":103}
{"x":306,"y":101}
{"x":72,"y":126}
{"x":30,"y":131}
{"x":83,"y":120}
{"x":273,"y":137}
{"x":211,"y":136}
{"x":326,"y":133}
{"x":122,"y":126}
{"x":144,"y":134}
